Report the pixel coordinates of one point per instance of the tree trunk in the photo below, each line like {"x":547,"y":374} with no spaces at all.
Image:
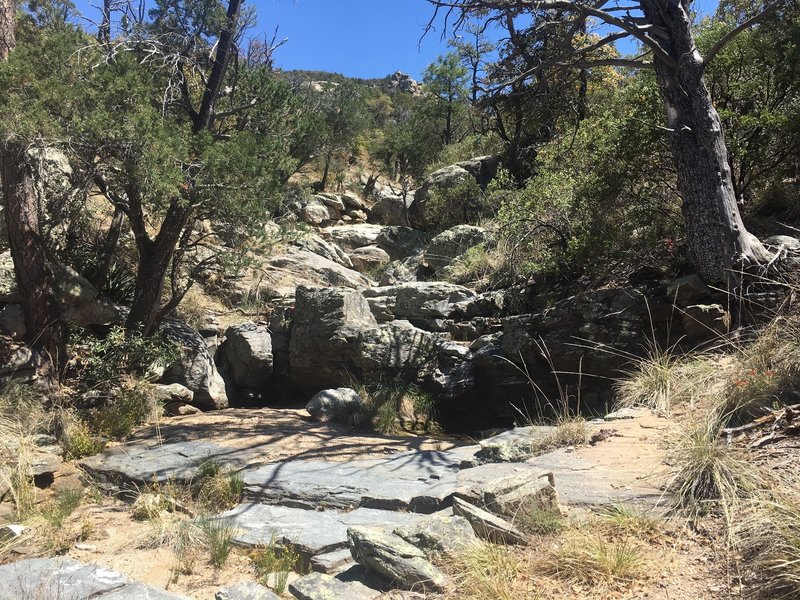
{"x":325,"y":171}
{"x":45,"y":329}
{"x":7,"y":28}
{"x":718,"y":240}
{"x":109,"y":248}
{"x":104,"y":31}
{"x":225,"y":45}
{"x":154,"y":261}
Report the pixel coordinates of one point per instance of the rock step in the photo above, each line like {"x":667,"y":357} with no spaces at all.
{"x":309,"y":532}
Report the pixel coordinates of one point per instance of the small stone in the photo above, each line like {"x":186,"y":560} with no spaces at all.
{"x":245,"y":590}
{"x":11,"y":532}
{"x":625,"y":413}
{"x":318,"y":586}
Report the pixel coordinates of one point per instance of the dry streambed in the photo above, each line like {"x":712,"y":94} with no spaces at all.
{"x":364,"y":513}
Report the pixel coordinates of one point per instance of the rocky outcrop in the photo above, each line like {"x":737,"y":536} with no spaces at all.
{"x":195,"y":369}
{"x":246,"y":356}
{"x":392,"y":558}
{"x":67,"y":578}
{"x":446,"y":247}
{"x":399,"y":82}
{"x":482,"y":169}
{"x":327,"y":324}
{"x":424,"y":304}
{"x":278,"y":276}
{"x":324,"y":209}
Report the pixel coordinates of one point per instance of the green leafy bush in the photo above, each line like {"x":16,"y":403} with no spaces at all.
{"x":104,"y":359}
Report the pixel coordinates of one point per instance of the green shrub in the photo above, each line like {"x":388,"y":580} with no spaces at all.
{"x":104,"y":360}
{"x":78,"y":440}
{"x":127,"y":410}
{"x":460,"y":204}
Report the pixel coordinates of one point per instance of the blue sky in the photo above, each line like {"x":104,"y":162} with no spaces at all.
{"x":358,"y":38}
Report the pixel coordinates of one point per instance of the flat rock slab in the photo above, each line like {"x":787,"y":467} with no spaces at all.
{"x":417,"y":481}
{"x":583,"y":482}
{"x":157,"y":463}
{"x":307,"y":531}
{"x":66,"y":579}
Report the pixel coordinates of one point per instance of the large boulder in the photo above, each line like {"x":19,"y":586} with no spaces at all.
{"x":446,"y":247}
{"x":77,"y":297}
{"x":392,"y":558}
{"x":316,"y":245}
{"x":402,"y":242}
{"x":327,"y":323}
{"x":369,"y":259}
{"x":389,"y":209}
{"x":350,"y":237}
{"x":279,"y":275}
{"x":396,"y":348}
{"x":338,"y":404}
{"x":246,"y":356}
{"x":482,"y":169}
{"x":195,"y":369}
{"x":439,"y":535}
{"x":421,"y":303}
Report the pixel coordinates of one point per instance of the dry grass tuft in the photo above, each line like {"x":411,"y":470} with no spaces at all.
{"x":491,"y":571}
{"x":712,"y":476}
{"x":770,"y":544}
{"x":590,"y":556}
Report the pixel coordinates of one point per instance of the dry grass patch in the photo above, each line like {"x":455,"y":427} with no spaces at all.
{"x":492,"y":571}
{"x":712,"y":476}
{"x":594,"y":558}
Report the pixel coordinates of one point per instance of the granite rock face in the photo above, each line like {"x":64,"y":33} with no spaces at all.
{"x":327,"y":323}
{"x":417,"y":481}
{"x":195,"y":369}
{"x":246,"y":356}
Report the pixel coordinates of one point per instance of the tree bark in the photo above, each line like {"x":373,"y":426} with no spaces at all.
{"x":155,"y":256}
{"x":225,"y":45}
{"x":40,"y":307}
{"x":718,"y":240}
{"x":7,"y":28}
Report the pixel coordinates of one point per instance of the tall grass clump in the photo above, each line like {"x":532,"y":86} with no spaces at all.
{"x":712,"y":476}
{"x":490,"y":571}
{"x":766,"y":371}
{"x":770,"y":545}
